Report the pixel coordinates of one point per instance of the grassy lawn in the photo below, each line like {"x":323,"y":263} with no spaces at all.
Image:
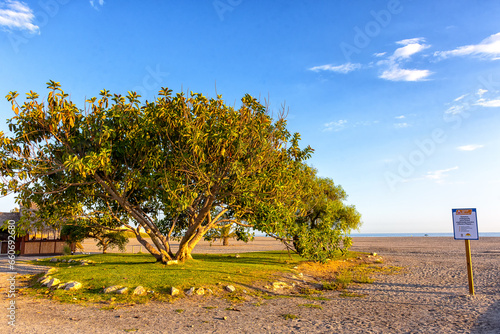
{"x":214,"y":271}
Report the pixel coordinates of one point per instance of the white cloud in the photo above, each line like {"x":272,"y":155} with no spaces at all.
{"x":344,"y":68}
{"x":17,"y":15}
{"x":408,"y":50}
{"x":380,"y":54}
{"x":400,"y":117}
{"x":455,"y":110}
{"x":335,"y":125}
{"x":411,"y":41}
{"x":460,"y":98}
{"x":394,"y":73}
{"x":488,"y":103}
{"x":393,"y":63}
{"x":488,"y":48}
{"x":481,"y":92}
{"x":96,"y":4}
{"x":469,"y":147}
{"x":401,"y":125}
{"x":439,"y":175}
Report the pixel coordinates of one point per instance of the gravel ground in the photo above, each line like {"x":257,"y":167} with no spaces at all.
{"x":429,"y":296}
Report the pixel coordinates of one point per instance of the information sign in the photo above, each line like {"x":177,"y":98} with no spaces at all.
{"x":465,"y":224}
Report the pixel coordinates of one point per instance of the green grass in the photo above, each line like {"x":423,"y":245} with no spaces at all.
{"x":213,"y":271}
{"x":130,"y":270}
{"x":289,"y":316}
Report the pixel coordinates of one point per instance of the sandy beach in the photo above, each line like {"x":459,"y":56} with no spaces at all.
{"x":430,"y":295}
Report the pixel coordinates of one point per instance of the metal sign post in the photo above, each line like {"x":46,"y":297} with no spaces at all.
{"x":465,"y":228}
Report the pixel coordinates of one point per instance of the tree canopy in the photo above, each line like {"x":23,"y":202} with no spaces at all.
{"x":178,"y":166}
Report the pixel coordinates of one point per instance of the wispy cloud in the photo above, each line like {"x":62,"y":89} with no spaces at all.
{"x":335,"y":125}
{"x":481,"y":98}
{"x":401,"y":125}
{"x":469,"y":147}
{"x":394,"y":70}
{"x":395,"y":73}
{"x":487,"y":48}
{"x":97,"y":4}
{"x":439,"y":175}
{"x":344,"y":68}
{"x":400,"y":117}
{"x":461,"y":97}
{"x":495,"y":103}
{"x":17,"y":15}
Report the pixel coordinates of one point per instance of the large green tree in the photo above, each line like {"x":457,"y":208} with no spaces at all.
{"x":165,"y":165}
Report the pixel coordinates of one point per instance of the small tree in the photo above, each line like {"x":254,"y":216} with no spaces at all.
{"x":106,"y":239}
{"x":324,"y":222}
{"x":224,"y":232}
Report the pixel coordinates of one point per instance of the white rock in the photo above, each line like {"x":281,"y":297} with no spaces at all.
{"x":121,"y":291}
{"x":190,"y":292}
{"x":52,"y":282}
{"x":73,"y":286}
{"x":174,"y":291}
{"x":230,"y":288}
{"x":46,"y":279}
{"x":172,"y":262}
{"x":112,"y":288}
{"x":139,"y":290}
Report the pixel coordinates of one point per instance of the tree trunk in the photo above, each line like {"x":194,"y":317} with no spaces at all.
{"x":225,"y":241}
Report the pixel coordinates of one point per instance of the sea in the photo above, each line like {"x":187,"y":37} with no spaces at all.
{"x":481,"y":234}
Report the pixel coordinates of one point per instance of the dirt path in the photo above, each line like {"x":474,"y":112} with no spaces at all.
{"x":430,"y":296}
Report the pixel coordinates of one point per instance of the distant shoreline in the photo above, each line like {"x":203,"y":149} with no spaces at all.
{"x":483,"y":234}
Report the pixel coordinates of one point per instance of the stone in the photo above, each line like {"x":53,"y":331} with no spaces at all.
{"x":63,"y":260}
{"x":61,"y":285}
{"x":200,"y":292}
{"x":230,"y":288}
{"x":112,"y":288}
{"x":52,"y":282}
{"x":190,"y":292}
{"x":73,"y":286}
{"x":172,"y":262}
{"x":71,"y":260}
{"x":139,"y":291}
{"x":46,"y":279}
{"x":209,"y":291}
{"x":174,"y":291}
{"x":53,"y":259}
{"x":237,"y":256}
{"x":84,"y":264}
{"x":122,"y":291}
{"x":374,"y":254}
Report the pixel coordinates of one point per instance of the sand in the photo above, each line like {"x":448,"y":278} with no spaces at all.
{"x":430,"y":295}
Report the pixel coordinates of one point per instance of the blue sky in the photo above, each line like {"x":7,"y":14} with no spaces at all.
{"x":399,"y":99}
